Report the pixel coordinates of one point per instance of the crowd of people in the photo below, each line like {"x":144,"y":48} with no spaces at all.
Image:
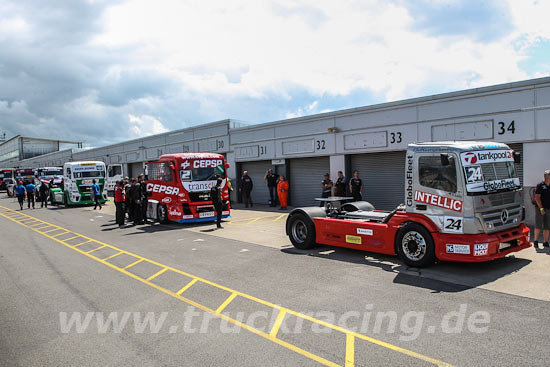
{"x":131,"y":198}
{"x":27,"y":191}
{"x":278,"y":188}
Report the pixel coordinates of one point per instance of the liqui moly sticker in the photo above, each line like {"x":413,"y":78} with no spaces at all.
{"x":439,"y":201}
{"x":486,"y":156}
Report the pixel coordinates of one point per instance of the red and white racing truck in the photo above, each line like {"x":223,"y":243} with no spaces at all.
{"x":179,"y":187}
{"x":463,"y":202}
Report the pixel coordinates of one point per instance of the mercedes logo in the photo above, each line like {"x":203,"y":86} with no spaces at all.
{"x":504,"y":216}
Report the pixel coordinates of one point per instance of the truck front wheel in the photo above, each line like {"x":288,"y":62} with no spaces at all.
{"x":301,"y":231}
{"x":415,"y":245}
{"x":162,"y":214}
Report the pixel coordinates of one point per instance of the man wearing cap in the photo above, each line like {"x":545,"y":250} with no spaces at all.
{"x":542,"y":215}
{"x":20,"y":191}
{"x":326,"y":187}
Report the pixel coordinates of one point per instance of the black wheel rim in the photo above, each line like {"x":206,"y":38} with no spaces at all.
{"x":299,"y":231}
{"x":414,"y":246}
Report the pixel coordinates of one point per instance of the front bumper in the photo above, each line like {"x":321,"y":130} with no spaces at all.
{"x":481,"y":247}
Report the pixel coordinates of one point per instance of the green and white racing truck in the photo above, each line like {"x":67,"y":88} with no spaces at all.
{"x":77,"y":184}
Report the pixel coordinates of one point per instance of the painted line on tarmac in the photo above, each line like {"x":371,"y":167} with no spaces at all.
{"x":271,"y":336}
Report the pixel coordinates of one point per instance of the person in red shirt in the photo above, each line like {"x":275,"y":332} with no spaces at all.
{"x":120,"y":198}
{"x":282,"y":191}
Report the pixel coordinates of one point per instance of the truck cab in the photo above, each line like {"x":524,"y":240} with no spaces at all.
{"x":114,"y":173}
{"x":76,"y":188}
{"x":179,"y":186}
{"x":7,"y":179}
{"x":463,"y":202}
{"x":46,"y":175}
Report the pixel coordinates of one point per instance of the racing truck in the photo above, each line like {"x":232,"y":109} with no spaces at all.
{"x":6,"y":179}
{"x":463,"y":202}
{"x":77,"y":184}
{"x":179,"y":187}
{"x":114,"y":174}
{"x":45,"y":175}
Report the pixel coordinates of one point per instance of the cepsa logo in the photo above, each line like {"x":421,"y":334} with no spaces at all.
{"x":206,"y":163}
{"x":168,"y":190}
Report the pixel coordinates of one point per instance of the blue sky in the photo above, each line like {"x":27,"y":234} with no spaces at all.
{"x":106,"y":71}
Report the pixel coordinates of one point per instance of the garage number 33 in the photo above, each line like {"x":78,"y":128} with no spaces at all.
{"x":453,"y":224}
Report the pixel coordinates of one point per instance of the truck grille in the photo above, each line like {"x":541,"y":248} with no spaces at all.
{"x":197,"y":197}
{"x":503,"y":198}
{"x":495,"y":217}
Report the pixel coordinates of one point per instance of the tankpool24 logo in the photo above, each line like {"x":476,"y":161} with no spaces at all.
{"x":486,"y":156}
{"x":470,"y":158}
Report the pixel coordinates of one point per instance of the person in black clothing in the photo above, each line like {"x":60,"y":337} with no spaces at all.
{"x":135,"y":192}
{"x":340,"y":185}
{"x":128,"y":206}
{"x":326,"y":186}
{"x":542,"y":214}
{"x":44,"y":192}
{"x":246,"y":189}
{"x":272,"y":179}
{"x":144,"y":197}
{"x":356,"y":187}
{"x":216,"y":197}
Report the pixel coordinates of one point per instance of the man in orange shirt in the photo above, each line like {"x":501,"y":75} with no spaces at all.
{"x":282,"y":191}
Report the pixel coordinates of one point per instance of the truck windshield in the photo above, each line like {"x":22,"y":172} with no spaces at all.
{"x":115,"y":171}
{"x":89,"y":174}
{"x":6,"y":174}
{"x":42,"y":173}
{"x":203,"y":174}
{"x":490,"y":177}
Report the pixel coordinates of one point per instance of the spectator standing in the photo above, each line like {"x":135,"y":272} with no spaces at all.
{"x":272,"y":179}
{"x":129,"y":207}
{"x":326,"y":187}
{"x":246,"y":189}
{"x":356,"y":187}
{"x":20,"y":192}
{"x":135,"y":191}
{"x":542,"y":215}
{"x":340,"y":185}
{"x":44,"y":192}
{"x":229,"y":190}
{"x":216,"y":197}
{"x":282,"y":192}
{"x":30,"y":194}
{"x":96,"y":190}
{"x":62,"y":184}
{"x":144,"y":197}
{"x":119,"y":203}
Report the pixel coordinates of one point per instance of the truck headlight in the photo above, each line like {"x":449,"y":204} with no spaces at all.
{"x":490,"y":225}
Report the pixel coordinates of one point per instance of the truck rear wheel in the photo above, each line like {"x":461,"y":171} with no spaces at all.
{"x":162,"y":214}
{"x":415,"y":245}
{"x":301,"y":231}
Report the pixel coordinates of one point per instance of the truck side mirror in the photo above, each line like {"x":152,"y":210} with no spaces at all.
{"x":517,"y":157}
{"x":227,"y":165}
{"x":445,"y":161}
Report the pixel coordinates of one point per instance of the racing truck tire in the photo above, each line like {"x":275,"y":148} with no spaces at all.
{"x":162,"y":214}
{"x":301,"y":231}
{"x":415,"y":245}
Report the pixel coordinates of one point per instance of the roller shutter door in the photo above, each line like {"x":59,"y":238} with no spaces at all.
{"x":518,"y":147}
{"x":306,"y":175}
{"x":135,"y":169}
{"x":383,"y":176}
{"x":256,"y":171}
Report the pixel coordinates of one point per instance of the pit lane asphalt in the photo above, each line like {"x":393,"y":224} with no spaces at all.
{"x":40,"y":278}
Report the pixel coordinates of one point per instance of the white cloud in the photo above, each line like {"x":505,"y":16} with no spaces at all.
{"x":145,"y":125}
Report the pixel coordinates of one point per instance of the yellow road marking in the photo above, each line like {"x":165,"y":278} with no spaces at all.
{"x":46,"y":226}
{"x":187,"y":286}
{"x":67,"y":239}
{"x":226,"y":302}
{"x":279,"y":217}
{"x":81,"y":243}
{"x":350,"y":350}
{"x":237,"y":293}
{"x":40,"y":222}
{"x":51,"y":230}
{"x":95,"y":249}
{"x":62,"y":233}
{"x":254,"y":220}
{"x":110,"y":257}
{"x":132,"y":264}
{"x":156,"y":274}
{"x":277,"y":324}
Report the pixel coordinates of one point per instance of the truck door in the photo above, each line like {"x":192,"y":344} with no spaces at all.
{"x":438,"y":191}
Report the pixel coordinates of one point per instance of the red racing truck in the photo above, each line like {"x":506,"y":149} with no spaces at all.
{"x":179,"y":187}
{"x":463,"y":202}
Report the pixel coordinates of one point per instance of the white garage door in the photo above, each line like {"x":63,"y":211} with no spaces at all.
{"x":306,"y":175}
{"x":383,"y":176}
{"x":135,"y":169}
